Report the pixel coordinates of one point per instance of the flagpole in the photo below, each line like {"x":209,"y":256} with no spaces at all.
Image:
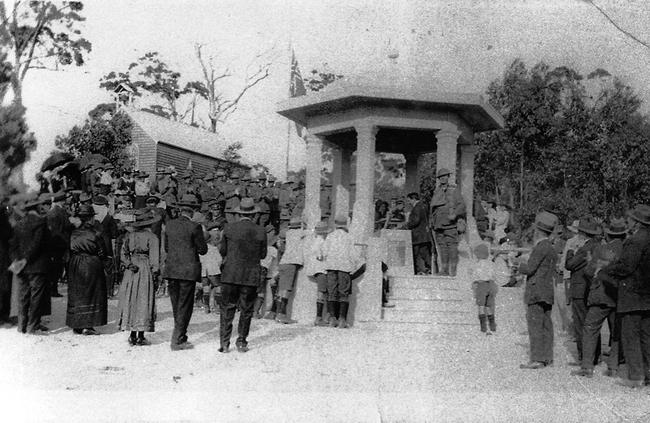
{"x":286,"y":165}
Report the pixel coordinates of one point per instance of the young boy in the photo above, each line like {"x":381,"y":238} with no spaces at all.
{"x":269,"y":270}
{"x":339,"y":254}
{"x":211,"y":271}
{"x":315,"y":266}
{"x":485,"y":290}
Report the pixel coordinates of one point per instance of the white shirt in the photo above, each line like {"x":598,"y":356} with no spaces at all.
{"x":484,"y":270}
{"x":313,"y":250}
{"x":293,"y":251}
{"x":211,"y":261}
{"x":340,"y":251}
{"x":270,"y":262}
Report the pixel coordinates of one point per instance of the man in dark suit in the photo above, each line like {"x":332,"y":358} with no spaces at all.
{"x":243,"y":245}
{"x":107,"y":228}
{"x":631,"y":272}
{"x":6,"y":232}
{"x":418,"y":223}
{"x":60,"y":228}
{"x":538,"y":295}
{"x":576,"y":263}
{"x":31,"y":243}
{"x":184,"y":243}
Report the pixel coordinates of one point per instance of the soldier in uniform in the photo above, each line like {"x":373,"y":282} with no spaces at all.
{"x":285,"y":202}
{"x":185,"y":184}
{"x":232,"y":196}
{"x":274,"y":196}
{"x":209,"y":191}
{"x":446,"y":207}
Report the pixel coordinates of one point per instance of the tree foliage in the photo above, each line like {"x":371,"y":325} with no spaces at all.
{"x":573,"y":144}
{"x":42,"y":35}
{"x":16,"y":142}
{"x":109,"y":137}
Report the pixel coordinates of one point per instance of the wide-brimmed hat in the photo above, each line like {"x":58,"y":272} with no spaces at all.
{"x":220,"y":172}
{"x":151,"y":198}
{"x":246,"y":177}
{"x":86,"y":210}
{"x":545,"y":221}
{"x":321,"y":228}
{"x":261,"y":176}
{"x":641,"y":214}
{"x":442,"y":172}
{"x":189,"y":200}
{"x":141,"y":174}
{"x":573,"y":227}
{"x":145,"y":219}
{"x":246,"y":206}
{"x":295,"y":222}
{"x":616,"y":226}
{"x":341,"y":222}
{"x":234,"y":175}
{"x":208,"y":176}
{"x":589,"y":226}
{"x":30,"y":204}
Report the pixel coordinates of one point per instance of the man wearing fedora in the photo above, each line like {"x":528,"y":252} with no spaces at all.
{"x":184,"y":243}
{"x":631,"y":276}
{"x":576,"y":263}
{"x":601,"y":302}
{"x":538,"y":295}
{"x":31,"y":242}
{"x":418,"y":224}
{"x":563,"y":293}
{"x":444,"y":210}
{"x":243,"y":246}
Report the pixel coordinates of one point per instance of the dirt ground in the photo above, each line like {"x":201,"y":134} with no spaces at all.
{"x":376,"y":372}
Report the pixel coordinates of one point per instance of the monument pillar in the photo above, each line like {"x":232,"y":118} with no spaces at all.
{"x":446,"y":152}
{"x":340,"y":182}
{"x":467,"y":153}
{"x":312,"y":180}
{"x":411,"y":169}
{"x":363,"y":211}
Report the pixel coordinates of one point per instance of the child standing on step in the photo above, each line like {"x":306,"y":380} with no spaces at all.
{"x":485,"y":289}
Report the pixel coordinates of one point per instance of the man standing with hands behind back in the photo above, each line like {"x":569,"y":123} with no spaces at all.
{"x":243,"y":245}
{"x":184,"y":242}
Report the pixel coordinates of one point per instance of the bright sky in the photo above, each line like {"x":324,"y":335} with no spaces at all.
{"x":460,"y":45}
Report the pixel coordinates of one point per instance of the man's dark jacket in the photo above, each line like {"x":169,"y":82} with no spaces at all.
{"x":107,"y":229}
{"x":60,"y":229}
{"x":632,"y":272}
{"x":31,"y":241}
{"x":540,"y":271}
{"x":576,"y":262}
{"x":184,"y":243}
{"x":418,"y":223}
{"x":600,"y":293}
{"x":243,"y":245}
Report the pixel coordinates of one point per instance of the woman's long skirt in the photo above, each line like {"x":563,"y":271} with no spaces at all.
{"x":87,"y":296}
{"x":137,"y":297}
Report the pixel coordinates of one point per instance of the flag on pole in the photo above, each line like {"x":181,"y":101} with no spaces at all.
{"x":296,"y":85}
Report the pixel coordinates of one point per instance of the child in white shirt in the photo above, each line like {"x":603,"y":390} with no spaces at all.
{"x":485,"y":290}
{"x":315,"y":266}
{"x":211,"y":271}
{"x":269,"y":266}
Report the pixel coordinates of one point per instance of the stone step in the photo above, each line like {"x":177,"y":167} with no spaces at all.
{"x":434,"y":293}
{"x":407,"y":329}
{"x":431,"y":305}
{"x":451,"y":317}
{"x":425,"y":282}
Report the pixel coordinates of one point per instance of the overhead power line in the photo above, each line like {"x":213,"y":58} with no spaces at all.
{"x":617,"y":26}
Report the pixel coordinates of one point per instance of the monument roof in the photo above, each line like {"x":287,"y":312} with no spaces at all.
{"x":347,"y":94}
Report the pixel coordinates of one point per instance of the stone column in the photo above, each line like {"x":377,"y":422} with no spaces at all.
{"x":446,"y":152}
{"x":312,"y":179}
{"x":340,"y":182}
{"x":467,"y":176}
{"x":363,"y":212}
{"x":411,"y":168}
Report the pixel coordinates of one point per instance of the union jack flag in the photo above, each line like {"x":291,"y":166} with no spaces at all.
{"x":296,"y":86}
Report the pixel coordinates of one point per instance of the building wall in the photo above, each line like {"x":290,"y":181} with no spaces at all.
{"x":167,"y":155}
{"x":146,"y":150}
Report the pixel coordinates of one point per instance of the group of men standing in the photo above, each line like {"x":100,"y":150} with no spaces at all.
{"x":609,"y":280}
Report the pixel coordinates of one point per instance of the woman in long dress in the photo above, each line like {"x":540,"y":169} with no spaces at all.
{"x":140,"y":257}
{"x":87,"y":296}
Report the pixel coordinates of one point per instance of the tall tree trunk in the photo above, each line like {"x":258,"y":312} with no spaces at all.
{"x":521,"y":180}
{"x":213,"y":125}
{"x":17,"y":88}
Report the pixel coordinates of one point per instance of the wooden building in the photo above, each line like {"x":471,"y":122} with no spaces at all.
{"x":159,"y":142}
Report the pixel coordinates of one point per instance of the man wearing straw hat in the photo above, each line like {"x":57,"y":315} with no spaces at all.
{"x":243,"y":246}
{"x":632,"y":278}
{"x":538,"y":295}
{"x":184,"y":242}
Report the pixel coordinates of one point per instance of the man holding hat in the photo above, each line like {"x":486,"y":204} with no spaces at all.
{"x":631,"y":276}
{"x":576,"y":263}
{"x":538,"y":295}
{"x":184,"y":242}
{"x":444,"y":210}
{"x":31,"y":242}
{"x":243,"y":246}
{"x":601,"y":302}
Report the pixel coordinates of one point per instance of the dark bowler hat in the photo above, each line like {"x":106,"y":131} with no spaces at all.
{"x":442,"y":172}
{"x":246,"y":206}
{"x":616,"y":227}
{"x":145,"y":219}
{"x":641,"y":214}
{"x":100,"y":200}
{"x":86,"y":210}
{"x":589,"y":226}
{"x":545,"y":221}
